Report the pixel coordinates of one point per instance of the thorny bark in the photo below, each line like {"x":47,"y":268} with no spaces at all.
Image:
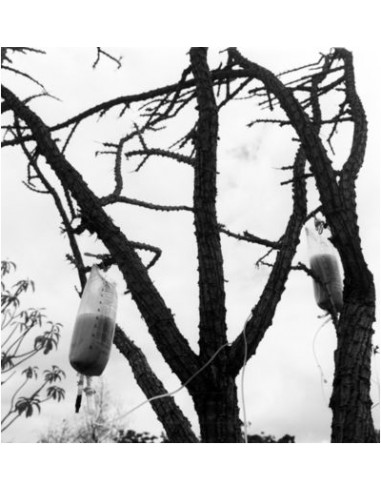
{"x":175,"y":424}
{"x":214,"y":391}
{"x":350,"y":402}
{"x":211,"y":276}
{"x":157,"y":315}
{"x":263,"y":313}
{"x":216,"y":402}
{"x":108,"y":232}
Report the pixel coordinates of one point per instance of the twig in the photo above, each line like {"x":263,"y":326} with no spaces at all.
{"x":23,"y":74}
{"x":246,"y":236}
{"x":132,"y":201}
{"x":162,"y":153}
{"x":313,"y":213}
{"x":102,"y":52}
{"x":71,"y":133}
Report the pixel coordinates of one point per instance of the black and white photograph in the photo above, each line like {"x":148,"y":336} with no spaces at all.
{"x":188,"y":254}
{"x":190,"y":246}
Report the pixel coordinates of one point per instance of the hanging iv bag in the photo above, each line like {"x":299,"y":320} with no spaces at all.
{"x":94,"y":327}
{"x":325,"y":265}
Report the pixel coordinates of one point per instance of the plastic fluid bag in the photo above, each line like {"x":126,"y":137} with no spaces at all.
{"x":94,"y":327}
{"x":324,"y":264}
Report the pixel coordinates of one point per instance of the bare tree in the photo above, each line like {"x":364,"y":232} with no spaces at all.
{"x":210,"y":376}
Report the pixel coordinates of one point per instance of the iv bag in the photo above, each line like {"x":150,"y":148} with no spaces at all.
{"x":324,"y":264}
{"x":94,"y":327}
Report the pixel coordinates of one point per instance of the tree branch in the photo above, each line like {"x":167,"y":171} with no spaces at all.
{"x":162,"y":153}
{"x":247,"y":236}
{"x":176,"y":425}
{"x":108,"y":260}
{"x":211,"y":278}
{"x":104,"y":53}
{"x":61,"y":210}
{"x":170,"y":342}
{"x":263,"y":312}
{"x":355,"y":160}
{"x":334,"y":204}
{"x":132,"y":201}
{"x":126,"y":101}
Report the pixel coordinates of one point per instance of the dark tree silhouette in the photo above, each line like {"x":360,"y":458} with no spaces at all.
{"x":298,"y":93}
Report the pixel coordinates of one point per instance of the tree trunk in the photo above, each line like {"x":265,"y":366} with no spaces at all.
{"x":218,"y":413}
{"x":350,"y":401}
{"x":175,"y":424}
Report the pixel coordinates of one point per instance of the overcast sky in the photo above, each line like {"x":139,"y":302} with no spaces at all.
{"x":283,"y":390}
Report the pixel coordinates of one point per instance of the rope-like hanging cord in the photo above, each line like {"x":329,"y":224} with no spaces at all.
{"x":322,"y":376}
{"x":171,"y":393}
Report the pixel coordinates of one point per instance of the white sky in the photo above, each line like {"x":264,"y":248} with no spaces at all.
{"x":283,"y":392}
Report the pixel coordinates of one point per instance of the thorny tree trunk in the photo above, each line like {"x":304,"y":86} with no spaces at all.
{"x":106,"y":230}
{"x":350,"y":401}
{"x":351,"y":404}
{"x":214,"y":391}
{"x":216,"y":404}
{"x":175,"y":424}
{"x":217,"y":409}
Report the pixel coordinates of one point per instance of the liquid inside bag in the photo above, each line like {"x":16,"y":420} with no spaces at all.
{"x":325,"y":265}
{"x":94,"y":327}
